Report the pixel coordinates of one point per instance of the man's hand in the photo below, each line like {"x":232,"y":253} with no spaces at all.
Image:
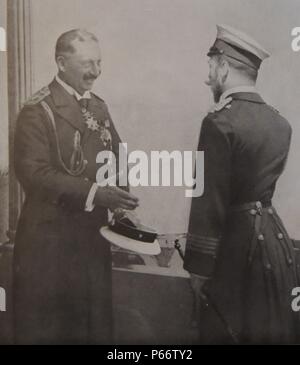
{"x":197,"y":283}
{"x":132,"y":216}
{"x":112,"y":197}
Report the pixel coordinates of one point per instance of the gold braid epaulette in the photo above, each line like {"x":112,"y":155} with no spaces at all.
{"x":38,"y":96}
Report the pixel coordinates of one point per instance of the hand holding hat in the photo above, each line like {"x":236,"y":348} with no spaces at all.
{"x":126,"y":231}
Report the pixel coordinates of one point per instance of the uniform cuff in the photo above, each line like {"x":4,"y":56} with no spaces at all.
{"x":200,"y":255}
{"x":89,"y":205}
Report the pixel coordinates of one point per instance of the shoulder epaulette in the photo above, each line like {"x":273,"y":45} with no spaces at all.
{"x":274,"y":110}
{"x":38,"y":96}
{"x":224,"y":103}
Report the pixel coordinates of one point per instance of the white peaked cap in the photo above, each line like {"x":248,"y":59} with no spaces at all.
{"x":238,"y":45}
{"x":241,"y":40}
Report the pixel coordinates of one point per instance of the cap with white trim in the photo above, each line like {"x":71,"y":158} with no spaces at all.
{"x":239,"y":46}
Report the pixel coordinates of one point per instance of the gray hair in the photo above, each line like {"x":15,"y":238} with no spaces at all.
{"x":64,"y":42}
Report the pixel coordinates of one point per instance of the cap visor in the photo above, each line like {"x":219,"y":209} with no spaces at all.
{"x":144,"y":248}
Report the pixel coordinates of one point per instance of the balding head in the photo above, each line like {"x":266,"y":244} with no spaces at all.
{"x":65,"y":43}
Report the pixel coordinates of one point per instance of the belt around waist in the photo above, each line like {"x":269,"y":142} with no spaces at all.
{"x":256,"y":206}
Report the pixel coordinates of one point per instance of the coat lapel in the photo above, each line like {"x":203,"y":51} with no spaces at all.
{"x":66,"y":106}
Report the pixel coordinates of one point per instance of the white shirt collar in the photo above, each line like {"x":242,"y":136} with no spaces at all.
{"x":238,"y":89}
{"x":71,"y":91}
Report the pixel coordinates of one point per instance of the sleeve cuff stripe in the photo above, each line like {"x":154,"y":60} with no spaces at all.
{"x":194,"y":237}
{"x":203,"y":250}
{"x":203,"y":244}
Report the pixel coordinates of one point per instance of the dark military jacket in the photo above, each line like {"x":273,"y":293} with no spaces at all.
{"x":235,"y":235}
{"x":62,"y":267}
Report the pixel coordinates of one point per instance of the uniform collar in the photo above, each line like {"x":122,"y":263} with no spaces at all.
{"x":67,"y":106}
{"x":238,"y":89}
{"x":71,"y":91}
{"x":246,"y":93}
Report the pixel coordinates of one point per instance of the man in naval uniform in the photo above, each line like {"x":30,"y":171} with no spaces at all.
{"x":62,"y":267}
{"x":236,"y":239}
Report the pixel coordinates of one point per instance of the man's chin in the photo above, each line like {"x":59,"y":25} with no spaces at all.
{"x":217,"y":98}
{"x":88,"y":85}
{"x":217,"y":95}
{"x":215,"y":91}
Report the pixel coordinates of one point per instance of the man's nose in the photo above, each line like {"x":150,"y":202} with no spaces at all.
{"x":96,"y":70}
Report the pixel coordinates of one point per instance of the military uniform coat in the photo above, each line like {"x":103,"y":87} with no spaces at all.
{"x":235,"y":236}
{"x":62,"y":267}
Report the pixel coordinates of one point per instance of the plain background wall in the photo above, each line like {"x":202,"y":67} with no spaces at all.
{"x":154,"y":68}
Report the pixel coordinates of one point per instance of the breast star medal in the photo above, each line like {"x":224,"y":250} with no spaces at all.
{"x":92,"y":124}
{"x":103,"y":127}
{"x":90,"y":121}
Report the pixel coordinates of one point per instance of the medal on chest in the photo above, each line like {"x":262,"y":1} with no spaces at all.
{"x":102,"y":127}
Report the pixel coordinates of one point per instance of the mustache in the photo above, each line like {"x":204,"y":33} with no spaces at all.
{"x":208,"y":82}
{"x":90,"y":77}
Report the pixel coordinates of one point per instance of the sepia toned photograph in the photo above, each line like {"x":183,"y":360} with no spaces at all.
{"x":149,"y":174}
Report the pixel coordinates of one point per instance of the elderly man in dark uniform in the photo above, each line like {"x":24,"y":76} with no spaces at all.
{"x":236,"y":239}
{"x":62,"y":267}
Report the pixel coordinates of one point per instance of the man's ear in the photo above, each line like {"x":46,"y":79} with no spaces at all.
{"x":224,"y":70}
{"x":61,"y":63}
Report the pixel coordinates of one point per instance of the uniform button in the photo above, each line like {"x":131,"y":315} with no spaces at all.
{"x":270,"y":211}
{"x":253,"y":212}
{"x":261,"y":237}
{"x":280,"y":236}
